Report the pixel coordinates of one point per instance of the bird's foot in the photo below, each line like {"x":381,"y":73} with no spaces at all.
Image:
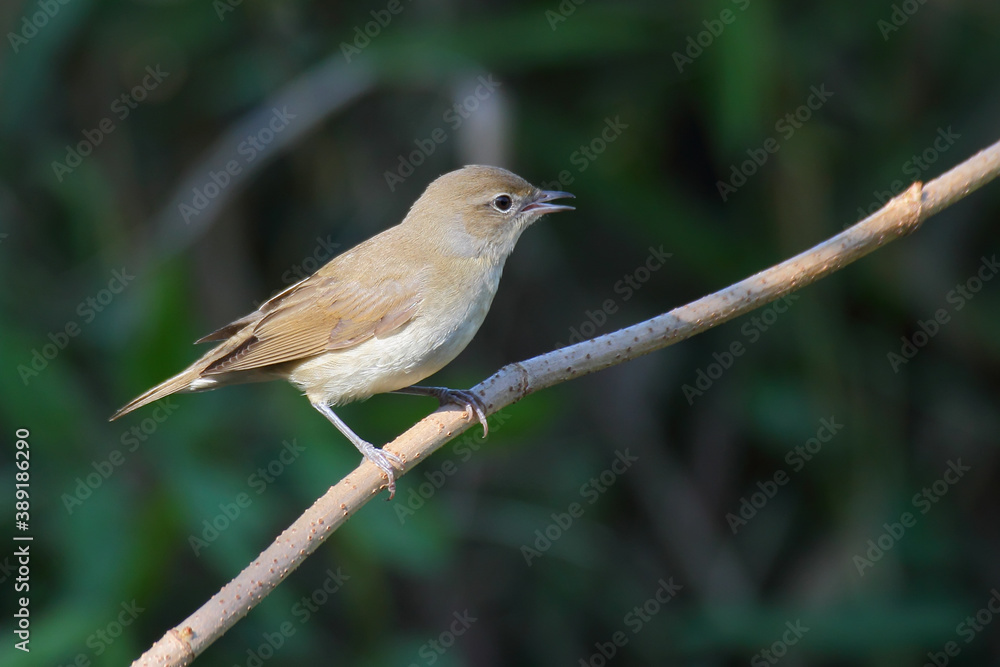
{"x":475,"y":409}
{"x":385,"y":461}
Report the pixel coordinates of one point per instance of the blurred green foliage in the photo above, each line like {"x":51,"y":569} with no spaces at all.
{"x":564,"y":70}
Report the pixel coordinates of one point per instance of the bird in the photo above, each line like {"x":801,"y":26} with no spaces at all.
{"x":387,"y":313}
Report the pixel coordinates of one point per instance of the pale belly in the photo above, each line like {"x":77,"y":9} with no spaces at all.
{"x":415,"y":351}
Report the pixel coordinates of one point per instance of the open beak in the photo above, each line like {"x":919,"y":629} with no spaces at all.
{"x":541,"y":202}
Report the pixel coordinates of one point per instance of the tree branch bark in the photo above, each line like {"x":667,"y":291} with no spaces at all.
{"x":901,"y":216}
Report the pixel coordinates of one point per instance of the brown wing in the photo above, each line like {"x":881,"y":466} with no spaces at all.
{"x":231,"y":329}
{"x":314,"y":316}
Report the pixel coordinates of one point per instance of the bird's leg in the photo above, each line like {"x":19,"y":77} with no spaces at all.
{"x":385,"y":461}
{"x":474,"y":406}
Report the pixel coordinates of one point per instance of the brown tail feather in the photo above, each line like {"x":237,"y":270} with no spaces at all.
{"x":179,"y":382}
{"x":237,"y":338}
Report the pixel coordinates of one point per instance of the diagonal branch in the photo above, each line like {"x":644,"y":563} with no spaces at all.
{"x":899,"y":217}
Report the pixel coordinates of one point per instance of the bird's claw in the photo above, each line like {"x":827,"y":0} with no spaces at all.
{"x":475,"y":409}
{"x":387,"y":462}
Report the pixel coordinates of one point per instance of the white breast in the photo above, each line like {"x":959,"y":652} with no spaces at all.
{"x":445,"y":324}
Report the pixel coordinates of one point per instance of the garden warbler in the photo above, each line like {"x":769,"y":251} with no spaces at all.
{"x":385,"y":314}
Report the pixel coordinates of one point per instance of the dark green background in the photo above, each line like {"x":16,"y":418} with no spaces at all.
{"x":654,"y":185}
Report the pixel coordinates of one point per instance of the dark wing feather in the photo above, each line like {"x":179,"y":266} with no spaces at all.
{"x":230,"y":330}
{"x":315,"y":316}
{"x":234,"y":327}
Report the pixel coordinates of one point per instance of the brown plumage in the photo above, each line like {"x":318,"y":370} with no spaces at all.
{"x":385,"y":314}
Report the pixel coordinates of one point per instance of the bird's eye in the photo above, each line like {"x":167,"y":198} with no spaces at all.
{"x":502,"y":203}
